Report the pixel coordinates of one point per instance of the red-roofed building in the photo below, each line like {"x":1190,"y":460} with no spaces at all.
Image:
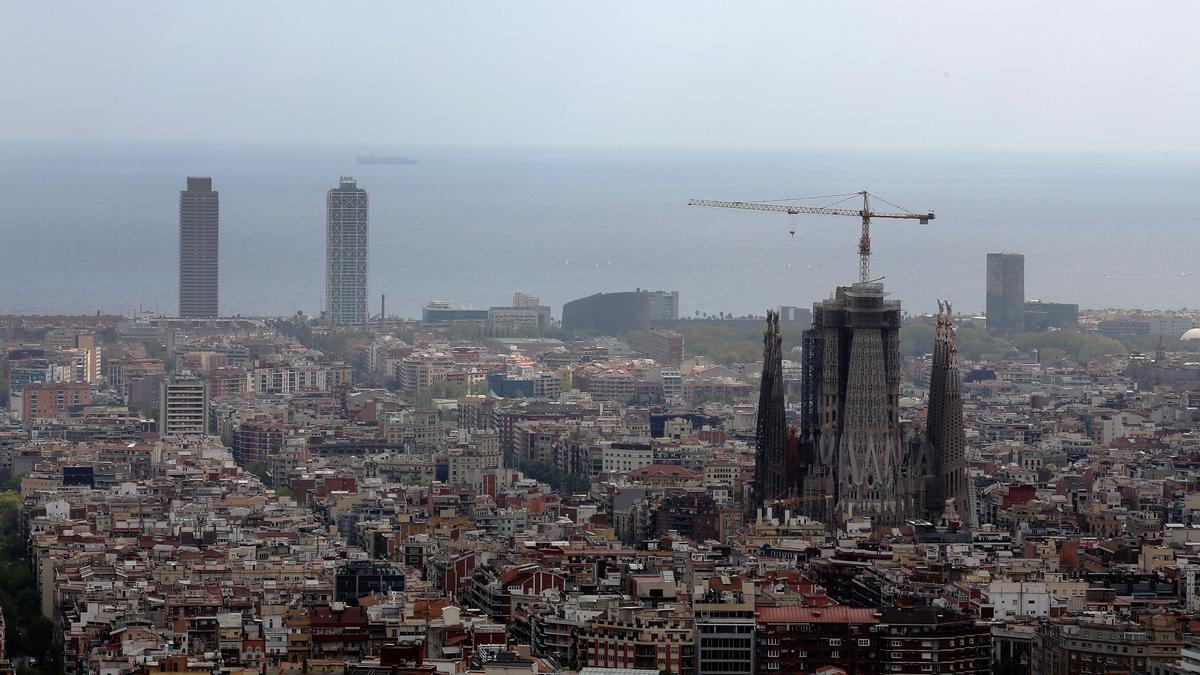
{"x":802,"y":639}
{"x":452,"y":572}
{"x":665,"y":475}
{"x":632,"y":637}
{"x":1018,"y":494}
{"x":338,"y":631}
{"x":492,"y":591}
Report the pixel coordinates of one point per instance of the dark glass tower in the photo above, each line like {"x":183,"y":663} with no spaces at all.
{"x":1005,"y":293}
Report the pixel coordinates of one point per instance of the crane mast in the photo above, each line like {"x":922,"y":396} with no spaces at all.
{"x":866,"y":214}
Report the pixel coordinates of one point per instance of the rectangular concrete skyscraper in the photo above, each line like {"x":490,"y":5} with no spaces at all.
{"x":183,"y":405}
{"x":346,"y":247}
{"x":198,"y":246}
{"x":1005,"y":293}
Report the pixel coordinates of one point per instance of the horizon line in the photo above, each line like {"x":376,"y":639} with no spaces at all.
{"x":1155,"y":152}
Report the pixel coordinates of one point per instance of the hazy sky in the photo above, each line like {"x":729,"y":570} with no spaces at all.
{"x":998,"y":75}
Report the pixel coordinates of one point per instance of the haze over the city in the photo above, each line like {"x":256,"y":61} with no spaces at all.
{"x":1034,"y":76}
{"x":599,"y":338}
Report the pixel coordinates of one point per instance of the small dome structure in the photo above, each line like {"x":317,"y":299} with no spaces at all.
{"x":1193,"y":334}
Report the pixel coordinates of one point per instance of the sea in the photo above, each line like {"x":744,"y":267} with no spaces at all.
{"x":93,"y":227}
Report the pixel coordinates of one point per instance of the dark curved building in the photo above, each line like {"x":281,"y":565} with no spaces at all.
{"x":619,"y":313}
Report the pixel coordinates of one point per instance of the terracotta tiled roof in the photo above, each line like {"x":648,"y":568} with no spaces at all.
{"x":663,"y":470}
{"x":325,"y":616}
{"x":836,"y":614}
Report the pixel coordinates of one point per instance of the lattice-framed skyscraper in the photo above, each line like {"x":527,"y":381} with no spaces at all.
{"x":347,"y":238}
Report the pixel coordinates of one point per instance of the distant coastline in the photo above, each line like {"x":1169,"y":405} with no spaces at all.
{"x":512,"y":218}
{"x":380,"y":159}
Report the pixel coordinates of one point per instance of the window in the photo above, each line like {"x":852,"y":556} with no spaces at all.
{"x":864,"y":643}
{"x":835,"y":642}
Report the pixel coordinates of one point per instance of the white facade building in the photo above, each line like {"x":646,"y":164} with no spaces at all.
{"x":183,"y":406}
{"x":624,"y":460}
{"x":1011,"y":599}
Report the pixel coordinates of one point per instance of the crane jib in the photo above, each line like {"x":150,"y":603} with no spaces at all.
{"x":865,"y":213}
{"x":797,"y":210}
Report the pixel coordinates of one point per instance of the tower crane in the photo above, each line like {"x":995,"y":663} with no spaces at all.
{"x":864,"y":241}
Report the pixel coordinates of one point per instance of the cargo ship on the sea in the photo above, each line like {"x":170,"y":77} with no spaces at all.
{"x":380,"y":159}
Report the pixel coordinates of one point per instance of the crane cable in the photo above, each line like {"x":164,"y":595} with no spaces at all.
{"x":796,"y":199}
{"x":847,"y":195}
{"x":895,"y":206}
{"x":831,"y":205}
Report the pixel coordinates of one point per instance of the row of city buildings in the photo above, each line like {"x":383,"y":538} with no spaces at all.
{"x":214,"y":496}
